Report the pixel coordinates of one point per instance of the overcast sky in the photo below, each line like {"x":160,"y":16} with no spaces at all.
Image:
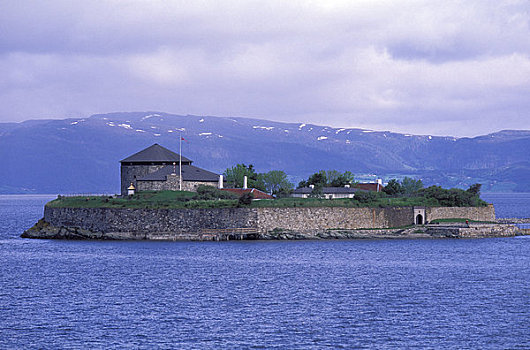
{"x":446,"y":67}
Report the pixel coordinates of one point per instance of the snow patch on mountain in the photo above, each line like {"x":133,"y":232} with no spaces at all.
{"x":269,"y":128}
{"x":150,"y":116}
{"x":125,"y":126}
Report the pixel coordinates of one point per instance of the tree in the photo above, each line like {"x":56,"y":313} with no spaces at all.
{"x":318,"y":179}
{"x":409,"y":186}
{"x":348,"y":176}
{"x":393,"y":188}
{"x":235,"y":175}
{"x":475,"y":189}
{"x":337,"y":179}
{"x":316,"y":192}
{"x":332,"y":178}
{"x":453,"y":197}
{"x":474,"y":192}
{"x":275,"y":181}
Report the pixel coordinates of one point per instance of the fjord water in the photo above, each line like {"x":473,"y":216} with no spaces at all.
{"x":463,"y":294}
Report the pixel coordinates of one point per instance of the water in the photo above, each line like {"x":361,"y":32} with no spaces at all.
{"x":509,"y":205}
{"x":377,"y":294}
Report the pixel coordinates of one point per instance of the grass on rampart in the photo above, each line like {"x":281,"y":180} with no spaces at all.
{"x":459,"y":220}
{"x":343,"y":202}
{"x":150,"y":200}
{"x":183,"y":199}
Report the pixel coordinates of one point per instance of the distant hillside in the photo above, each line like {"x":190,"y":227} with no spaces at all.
{"x":82,"y":155}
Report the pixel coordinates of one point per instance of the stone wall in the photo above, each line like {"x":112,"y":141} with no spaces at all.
{"x":153,"y":220}
{"x":472,"y":213}
{"x":172,"y":222}
{"x":129,"y":173}
{"x":192,"y":185}
{"x":172,"y":184}
{"x":304,"y":219}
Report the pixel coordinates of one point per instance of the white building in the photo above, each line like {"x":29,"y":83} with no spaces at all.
{"x":327,"y":192}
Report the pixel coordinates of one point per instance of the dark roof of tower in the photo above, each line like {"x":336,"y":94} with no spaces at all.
{"x":155,"y":153}
{"x":189,"y":173}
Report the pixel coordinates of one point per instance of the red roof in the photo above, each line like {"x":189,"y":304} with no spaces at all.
{"x":374,"y":187}
{"x":257,"y":193}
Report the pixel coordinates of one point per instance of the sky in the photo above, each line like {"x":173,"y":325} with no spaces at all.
{"x":459,"y":68}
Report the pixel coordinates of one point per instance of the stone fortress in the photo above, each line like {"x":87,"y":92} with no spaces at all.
{"x":261,"y":223}
{"x":156,"y":168}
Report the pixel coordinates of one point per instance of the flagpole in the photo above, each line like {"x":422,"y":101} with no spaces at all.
{"x":180,"y":162}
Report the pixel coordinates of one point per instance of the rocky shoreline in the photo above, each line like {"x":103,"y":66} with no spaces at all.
{"x":513,"y":221}
{"x":44,"y":230}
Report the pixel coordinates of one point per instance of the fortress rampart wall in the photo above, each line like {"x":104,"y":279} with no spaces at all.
{"x":168,"y":222}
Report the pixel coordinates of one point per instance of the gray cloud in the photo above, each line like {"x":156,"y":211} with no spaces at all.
{"x":452,"y":67}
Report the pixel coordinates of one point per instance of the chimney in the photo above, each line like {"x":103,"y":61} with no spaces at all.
{"x":347,"y":186}
{"x":220,"y":181}
{"x":311,"y":186}
{"x":245,"y":182}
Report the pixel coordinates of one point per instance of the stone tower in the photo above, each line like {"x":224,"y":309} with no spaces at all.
{"x":145,"y":162}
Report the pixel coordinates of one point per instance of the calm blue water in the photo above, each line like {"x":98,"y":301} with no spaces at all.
{"x":509,"y":205}
{"x":376,"y":294}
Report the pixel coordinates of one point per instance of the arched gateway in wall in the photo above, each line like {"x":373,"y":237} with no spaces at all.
{"x":419,"y":216}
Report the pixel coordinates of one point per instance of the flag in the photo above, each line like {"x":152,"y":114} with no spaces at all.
{"x":183,"y":139}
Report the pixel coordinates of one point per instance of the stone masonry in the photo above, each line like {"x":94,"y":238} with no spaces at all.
{"x":192,"y":221}
{"x":472,"y":213}
{"x":171,"y":183}
{"x":129,"y":173}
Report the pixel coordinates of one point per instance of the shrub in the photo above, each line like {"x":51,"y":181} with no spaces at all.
{"x":365,"y":197}
{"x":454,"y":197}
{"x":205,"y":192}
{"x":246,"y":199}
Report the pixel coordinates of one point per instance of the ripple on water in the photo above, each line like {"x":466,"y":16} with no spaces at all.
{"x":314,"y":294}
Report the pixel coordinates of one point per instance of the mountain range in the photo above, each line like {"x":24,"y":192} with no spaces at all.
{"x":81,"y":155}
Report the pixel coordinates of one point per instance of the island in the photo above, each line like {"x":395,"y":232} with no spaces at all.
{"x":165,"y":197}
